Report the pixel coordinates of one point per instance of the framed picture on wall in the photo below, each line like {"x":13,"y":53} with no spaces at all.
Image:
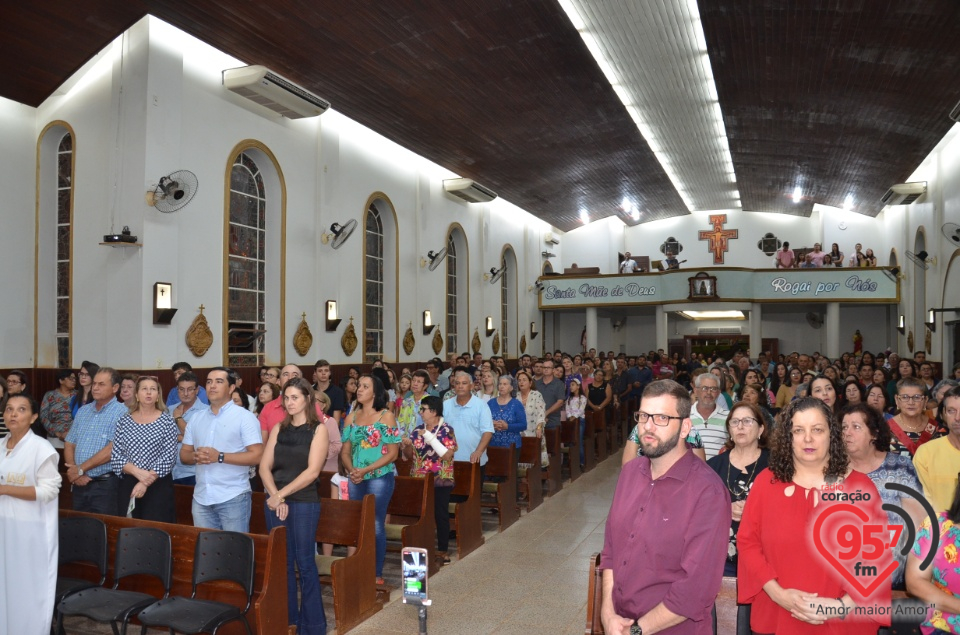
{"x":703,"y":287}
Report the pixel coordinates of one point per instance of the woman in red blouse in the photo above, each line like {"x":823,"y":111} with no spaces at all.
{"x":794,"y":589}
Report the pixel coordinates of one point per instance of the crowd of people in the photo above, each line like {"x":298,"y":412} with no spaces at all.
{"x":774,"y":432}
{"x":786,"y":258}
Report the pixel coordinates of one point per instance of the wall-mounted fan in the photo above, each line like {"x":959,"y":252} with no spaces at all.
{"x":618,"y":324}
{"x":951,"y":232}
{"x":173,"y":192}
{"x":495,"y":274}
{"x":339,"y":233}
{"x":921,"y":259}
{"x":433,"y":259}
{"x":815,"y":320}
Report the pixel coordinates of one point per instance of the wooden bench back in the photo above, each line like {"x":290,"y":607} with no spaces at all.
{"x":268,"y":613}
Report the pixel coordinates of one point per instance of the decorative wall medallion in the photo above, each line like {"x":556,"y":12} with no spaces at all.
{"x":718,"y":240}
{"x":523,"y":343}
{"x":349,"y":340}
{"x":496,"y":343}
{"x":303,"y":338}
{"x":475,"y":342}
{"x":199,"y":336}
{"x":437,"y":342}
{"x":769,"y":244}
{"x":671,"y":246}
{"x":408,"y":341}
{"x":910,"y":340}
{"x":928,"y":341}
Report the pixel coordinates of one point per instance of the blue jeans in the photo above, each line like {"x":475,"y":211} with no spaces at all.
{"x":382,"y":490}
{"x":301,"y":523}
{"x":231,"y":515}
{"x":583,"y":450}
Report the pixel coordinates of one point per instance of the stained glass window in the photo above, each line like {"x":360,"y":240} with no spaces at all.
{"x":373,"y":286}
{"x":451,"y":295}
{"x":246,"y":264}
{"x":64,"y":230}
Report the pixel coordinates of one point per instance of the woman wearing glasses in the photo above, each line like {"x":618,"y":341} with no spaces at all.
{"x":911,"y":427}
{"x":790,"y":586}
{"x":144,"y":451}
{"x":432,"y":445}
{"x":632,"y":449}
{"x":745,"y":457}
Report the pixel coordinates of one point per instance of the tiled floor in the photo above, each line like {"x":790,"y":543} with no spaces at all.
{"x":530,"y":579}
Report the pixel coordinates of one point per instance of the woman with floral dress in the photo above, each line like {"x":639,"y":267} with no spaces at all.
{"x":432,"y":445}
{"x":370,"y":446}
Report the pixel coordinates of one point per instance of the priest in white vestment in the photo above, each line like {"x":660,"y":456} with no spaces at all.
{"x":29,"y":486}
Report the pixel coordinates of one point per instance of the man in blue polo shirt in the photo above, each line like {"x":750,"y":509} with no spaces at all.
{"x":87,"y":448}
{"x":173,"y":397}
{"x":470,"y":419}
{"x":223,"y":442}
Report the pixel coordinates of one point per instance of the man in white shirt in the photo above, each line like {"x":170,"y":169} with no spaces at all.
{"x":629,"y":265}
{"x":223,"y":442}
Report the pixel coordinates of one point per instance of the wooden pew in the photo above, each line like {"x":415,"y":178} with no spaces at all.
{"x":501,"y":494}
{"x":530,"y":478}
{"x":594,"y":597}
{"x":351,"y":523}
{"x":570,"y":446}
{"x":597,"y":419}
{"x":268,"y":612}
{"x":589,"y":445}
{"x":552,"y":474}
{"x":465,"y":515}
{"x":412,"y":522}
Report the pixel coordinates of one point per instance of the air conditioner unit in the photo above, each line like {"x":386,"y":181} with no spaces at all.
{"x":904,"y":193}
{"x":263,"y":86}
{"x":551,"y":239}
{"x":718,"y":330}
{"x":469,"y":190}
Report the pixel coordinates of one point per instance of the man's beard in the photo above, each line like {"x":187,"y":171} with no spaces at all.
{"x":663,"y":448}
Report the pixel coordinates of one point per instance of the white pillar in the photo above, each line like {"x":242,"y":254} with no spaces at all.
{"x":756,"y":331}
{"x":832,"y":324}
{"x":591,"y":327}
{"x":663,"y":333}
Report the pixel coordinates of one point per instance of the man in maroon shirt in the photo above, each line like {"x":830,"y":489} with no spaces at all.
{"x":666,"y":536}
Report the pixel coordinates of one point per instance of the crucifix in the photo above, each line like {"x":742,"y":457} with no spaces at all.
{"x":718,"y":239}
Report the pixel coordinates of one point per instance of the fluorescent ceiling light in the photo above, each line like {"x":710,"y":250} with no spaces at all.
{"x":796,"y":194}
{"x":848,"y":203}
{"x":712,"y":315}
{"x":674,"y":101}
{"x":584,"y":216}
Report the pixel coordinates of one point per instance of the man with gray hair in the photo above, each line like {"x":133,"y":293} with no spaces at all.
{"x":470,"y":419}
{"x":709,"y":416}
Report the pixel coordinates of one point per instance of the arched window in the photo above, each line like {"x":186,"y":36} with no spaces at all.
{"x":508,"y":301}
{"x":53,"y":345}
{"x":373,"y":285}
{"x":451,"y":295}
{"x":246,"y":261}
{"x":64,"y":233}
{"x":458,"y":290}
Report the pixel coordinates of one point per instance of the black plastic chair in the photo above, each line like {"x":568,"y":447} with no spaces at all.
{"x":140,"y":551}
{"x":81,"y":540}
{"x":220,"y":555}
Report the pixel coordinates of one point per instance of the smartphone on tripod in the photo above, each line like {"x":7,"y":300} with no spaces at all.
{"x":415,"y":564}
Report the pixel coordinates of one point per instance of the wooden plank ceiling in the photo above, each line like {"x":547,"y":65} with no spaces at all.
{"x":845,"y":96}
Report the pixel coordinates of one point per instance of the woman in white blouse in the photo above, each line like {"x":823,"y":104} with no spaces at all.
{"x":536,"y":411}
{"x":29,"y":485}
{"x":144,"y":451}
